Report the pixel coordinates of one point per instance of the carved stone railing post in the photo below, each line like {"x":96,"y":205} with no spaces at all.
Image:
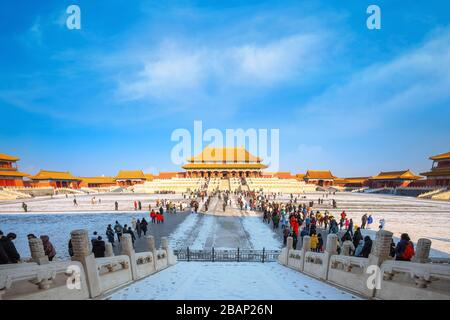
{"x":346,"y":247}
{"x":171,"y":258}
{"x":37,"y":251}
{"x":81,"y":253}
{"x":422,"y":251}
{"x":330,"y":250}
{"x":152,"y":248}
{"x":109,"y":250}
{"x":331,"y":247}
{"x":306,"y":246}
{"x":381,"y":248}
{"x":128,"y":250}
{"x":284,"y":255}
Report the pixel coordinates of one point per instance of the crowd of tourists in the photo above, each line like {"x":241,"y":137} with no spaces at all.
{"x":297,"y":220}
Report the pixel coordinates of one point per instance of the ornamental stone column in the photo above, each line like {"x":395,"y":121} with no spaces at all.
{"x":330,"y":250}
{"x":37,"y":251}
{"x":109,"y":252}
{"x":422,"y":251}
{"x":128,"y":250}
{"x":284,"y":255}
{"x":381,"y":248}
{"x":81,"y":253}
{"x":171,"y":258}
{"x":331,"y":247}
{"x":306,"y":246}
{"x":152,"y":248}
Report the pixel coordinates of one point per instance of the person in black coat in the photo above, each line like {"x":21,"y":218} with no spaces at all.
{"x":357,"y":237}
{"x":98,"y":247}
{"x":12,"y":256}
{"x":367,"y":247}
{"x":144,"y":225}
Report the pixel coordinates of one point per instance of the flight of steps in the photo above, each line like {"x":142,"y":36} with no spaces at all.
{"x":213,"y":184}
{"x":8,"y":194}
{"x":444,"y":195}
{"x":224,"y":184}
{"x":430,"y":194}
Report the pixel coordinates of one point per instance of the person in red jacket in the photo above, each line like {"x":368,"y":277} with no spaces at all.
{"x":153,"y":216}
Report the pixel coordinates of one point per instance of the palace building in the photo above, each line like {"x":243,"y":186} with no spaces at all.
{"x":126,"y":178}
{"x":55,"y":179}
{"x":97,"y":182}
{"x":10,"y":176}
{"x":393,"y":179}
{"x":224,"y":163}
{"x":353,"y":182}
{"x":322,"y":178}
{"x":439,"y":175}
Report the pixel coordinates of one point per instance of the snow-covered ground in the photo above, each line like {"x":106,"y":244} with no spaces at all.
{"x":59,"y":226}
{"x":231,"y":280}
{"x":200,"y":231}
{"x":60,"y":203}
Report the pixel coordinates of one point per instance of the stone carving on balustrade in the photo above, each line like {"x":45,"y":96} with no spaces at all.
{"x":37,"y":251}
{"x":422,"y":252}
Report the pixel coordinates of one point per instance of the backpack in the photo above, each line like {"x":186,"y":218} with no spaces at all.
{"x":408,"y":253}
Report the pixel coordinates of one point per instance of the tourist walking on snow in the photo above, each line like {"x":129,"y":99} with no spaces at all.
{"x":382,"y":222}
{"x":118,"y":229}
{"x":144,"y":226}
{"x":110,"y":234}
{"x":138,"y":228}
{"x":369,"y":221}
{"x":116,"y":205}
{"x":363,"y":221}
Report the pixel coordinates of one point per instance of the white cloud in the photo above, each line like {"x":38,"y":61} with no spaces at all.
{"x":175,"y":69}
{"x":418,"y":78}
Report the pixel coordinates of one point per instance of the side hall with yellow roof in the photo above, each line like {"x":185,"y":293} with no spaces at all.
{"x":55,"y":179}
{"x":10,"y":176}
{"x":393,"y":179}
{"x":439,"y":175}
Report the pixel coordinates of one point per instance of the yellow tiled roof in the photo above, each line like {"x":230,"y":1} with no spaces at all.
{"x":12,"y":173}
{"x":149,"y":176}
{"x":319,"y":174}
{"x":224,"y":166}
{"x":210,"y":154}
{"x":130,"y":174}
{"x":441,"y":156}
{"x":7,"y":157}
{"x":166,"y":175}
{"x":391,"y":175}
{"x":435,"y":172}
{"x":53,"y":175}
{"x":98,"y":180}
{"x":351,"y":180}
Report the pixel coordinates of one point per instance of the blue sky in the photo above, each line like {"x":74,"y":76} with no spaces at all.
{"x":108,"y":96}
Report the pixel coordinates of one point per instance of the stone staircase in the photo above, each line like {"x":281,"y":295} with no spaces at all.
{"x":9,"y":194}
{"x":224,"y":184}
{"x":445,"y":195}
{"x":430,"y":194}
